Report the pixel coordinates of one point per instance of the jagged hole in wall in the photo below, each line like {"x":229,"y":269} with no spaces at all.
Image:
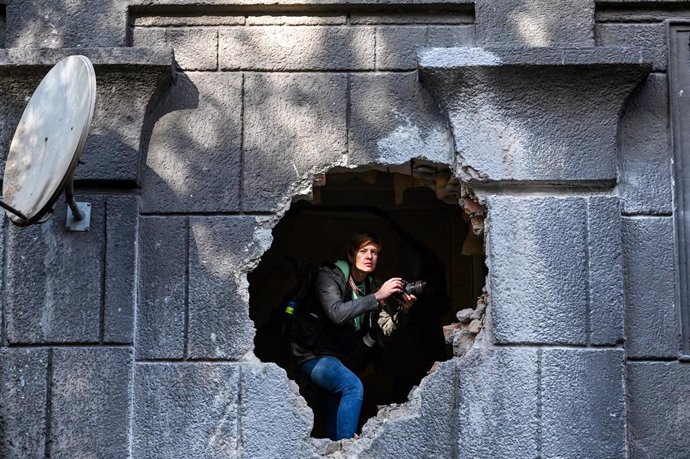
{"x":425,"y":235}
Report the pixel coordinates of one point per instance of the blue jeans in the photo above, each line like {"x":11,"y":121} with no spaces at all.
{"x":344,"y":398}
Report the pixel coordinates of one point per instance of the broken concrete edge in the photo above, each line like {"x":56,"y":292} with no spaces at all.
{"x":378,"y":425}
{"x":433,"y":59}
{"x":15,"y":60}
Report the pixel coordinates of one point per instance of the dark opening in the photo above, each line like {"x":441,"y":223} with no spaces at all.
{"x":3,"y":25}
{"x":423,"y":237}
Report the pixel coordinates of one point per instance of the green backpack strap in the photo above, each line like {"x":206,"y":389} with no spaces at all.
{"x":344,"y":266}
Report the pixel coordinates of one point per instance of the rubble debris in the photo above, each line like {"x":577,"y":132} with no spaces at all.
{"x":465,"y":315}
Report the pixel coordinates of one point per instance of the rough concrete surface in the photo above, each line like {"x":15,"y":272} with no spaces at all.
{"x":219,"y":323}
{"x":646,"y":153}
{"x":66,"y":23}
{"x":90,"y":402}
{"x":404,"y":124}
{"x":534,"y":115}
{"x":193,"y":161}
{"x":583,"y":398}
{"x":53,"y":285}
{"x":659,"y":398}
{"x":282,"y":149}
{"x":160,"y":319}
{"x":135,"y":339}
{"x":23,"y":392}
{"x":535,"y":23}
{"x":297,"y":48}
{"x":186,"y":410}
{"x":545,"y":286}
{"x":651,"y":316}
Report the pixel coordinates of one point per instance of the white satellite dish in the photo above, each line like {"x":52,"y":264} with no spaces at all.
{"x":47,"y":144}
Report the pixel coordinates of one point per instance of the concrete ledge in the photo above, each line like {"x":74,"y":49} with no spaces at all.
{"x":458,"y":59}
{"x":543,"y":115}
{"x":19,"y":58}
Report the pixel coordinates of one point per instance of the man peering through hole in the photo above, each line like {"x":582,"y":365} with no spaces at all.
{"x":347,"y":323}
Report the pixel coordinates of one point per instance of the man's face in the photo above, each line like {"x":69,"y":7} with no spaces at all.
{"x":366,"y":258}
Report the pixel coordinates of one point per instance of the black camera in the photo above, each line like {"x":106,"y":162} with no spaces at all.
{"x":417,"y":288}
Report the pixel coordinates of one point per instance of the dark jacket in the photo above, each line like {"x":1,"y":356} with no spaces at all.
{"x":334,"y":332}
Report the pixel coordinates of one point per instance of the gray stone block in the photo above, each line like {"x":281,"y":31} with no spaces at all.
{"x":538,"y":269}
{"x":23,"y":395}
{"x":404,"y":123}
{"x":605,"y":270}
{"x":583,"y":403}
{"x":646,"y":152}
{"x":112,"y":148}
{"x":652,"y":36}
{"x":297,"y":19}
{"x":219,"y":323}
{"x":193,"y":160}
{"x":274,"y":420}
{"x":120,"y":268}
{"x":530,"y":114}
{"x":427,"y":426}
{"x":160,"y":320}
{"x":149,"y":36}
{"x":66,"y":23}
{"x":498,"y":404}
{"x":535,"y":23}
{"x":307,"y":134}
{"x":396,"y":47}
{"x":401,"y":18}
{"x":658,"y":420}
{"x":158,"y":19}
{"x":186,"y":410}
{"x":91,"y":402}
{"x":54,"y":279}
{"x":297,"y":48}
{"x":651,"y":318}
{"x":195,"y":48}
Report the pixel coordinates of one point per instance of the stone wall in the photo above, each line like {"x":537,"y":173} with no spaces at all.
{"x":134,"y":339}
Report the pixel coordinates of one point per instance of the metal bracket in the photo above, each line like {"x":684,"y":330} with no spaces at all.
{"x":82,"y":220}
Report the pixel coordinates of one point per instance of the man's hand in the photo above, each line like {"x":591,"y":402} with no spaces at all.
{"x":406,"y":302}
{"x":390,"y":287}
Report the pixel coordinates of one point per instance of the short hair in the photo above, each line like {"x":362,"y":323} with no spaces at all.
{"x":359,"y":240}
